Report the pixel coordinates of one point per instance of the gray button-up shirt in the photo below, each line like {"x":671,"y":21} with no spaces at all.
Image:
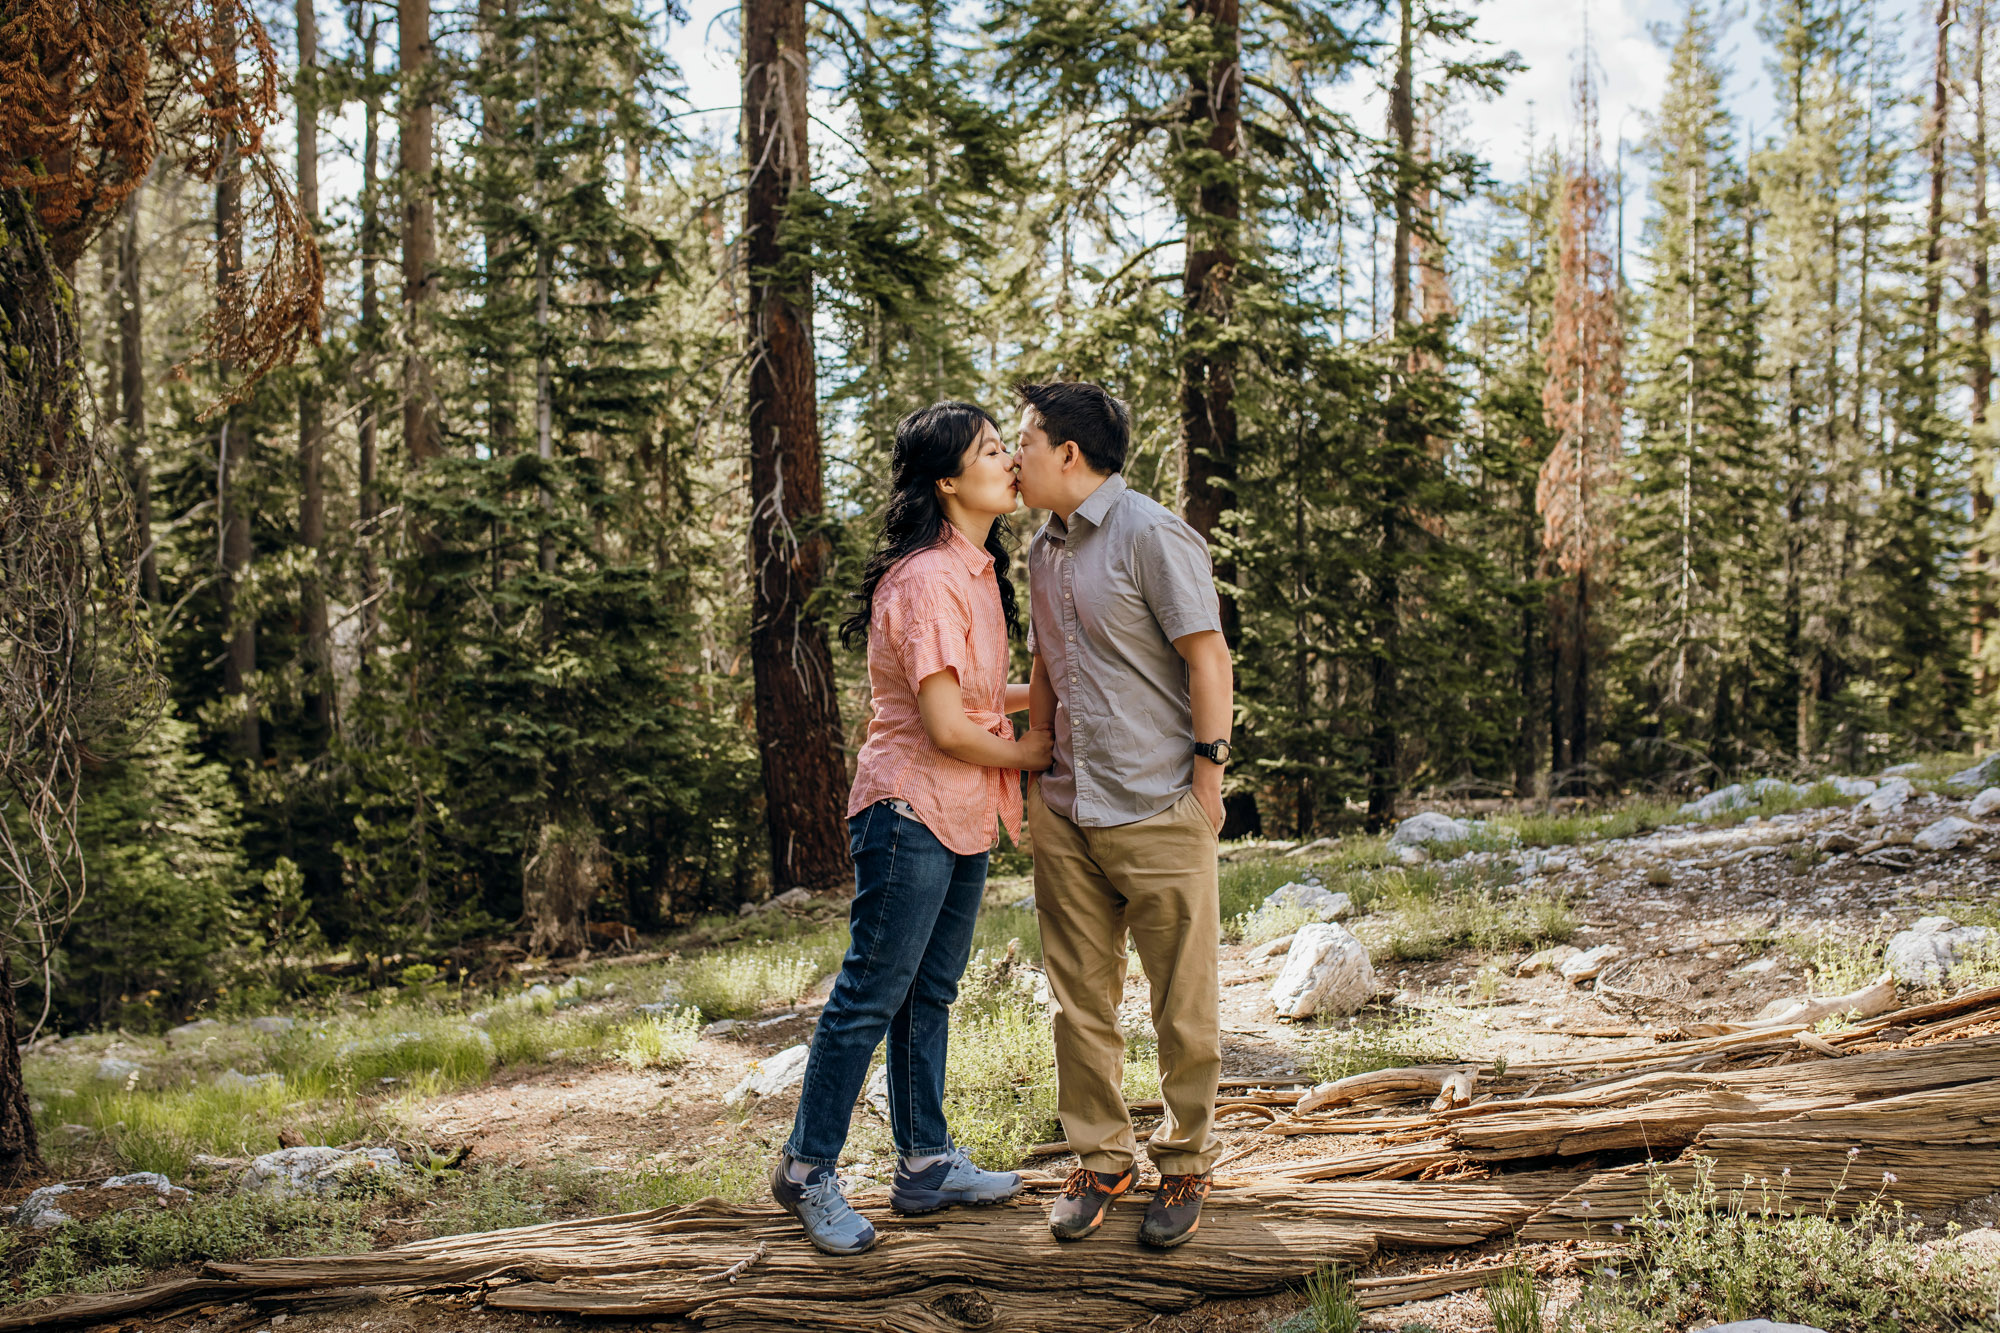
{"x":1109,"y":593}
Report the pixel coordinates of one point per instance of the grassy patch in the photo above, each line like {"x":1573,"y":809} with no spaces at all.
{"x":1702,"y":1255}
{"x":1268,"y":923}
{"x":744,"y":980}
{"x":1427,"y":913}
{"x":663,"y":1041}
{"x":1782,"y":801}
{"x":999,"y":923}
{"x":123,"y":1249}
{"x":1338,"y":1053}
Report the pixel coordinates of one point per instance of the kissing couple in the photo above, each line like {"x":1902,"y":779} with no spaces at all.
{"x":1129,"y":710}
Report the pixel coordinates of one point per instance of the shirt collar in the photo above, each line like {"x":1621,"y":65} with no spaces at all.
{"x":977,"y":561}
{"x":1093,"y":509}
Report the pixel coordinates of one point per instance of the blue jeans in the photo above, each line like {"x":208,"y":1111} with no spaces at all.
{"x":910,"y":933}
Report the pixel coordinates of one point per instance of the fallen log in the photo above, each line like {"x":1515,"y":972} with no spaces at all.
{"x":993,"y":1268}
{"x":1877,"y":997}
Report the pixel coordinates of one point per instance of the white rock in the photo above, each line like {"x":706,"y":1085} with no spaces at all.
{"x":1542,"y":861}
{"x":111,"y":1067}
{"x":1853,"y":786}
{"x":194,"y":1029}
{"x":1713,"y":804}
{"x":1589,"y":963}
{"x":1985,"y":803}
{"x":152,"y":1180}
{"x":1322,"y":904}
{"x":876,"y":1094}
{"x":767,"y":1078}
{"x":1946,"y":834}
{"x":1411,"y":856}
{"x":319,"y":1170}
{"x":39,"y":1209}
{"x":1543,"y":959}
{"x":236,"y":1078}
{"x":792,"y":898}
{"x":1758,"y":968}
{"x":1925,"y":954}
{"x":1269,"y":949}
{"x":1430,"y":827}
{"x":273,"y":1023}
{"x":1985,"y":773}
{"x":722,"y":1027}
{"x":1326,"y":971}
{"x":1888,"y":798}
{"x":1901,"y":770}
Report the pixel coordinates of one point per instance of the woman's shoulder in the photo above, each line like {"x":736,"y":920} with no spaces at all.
{"x":924,"y":583}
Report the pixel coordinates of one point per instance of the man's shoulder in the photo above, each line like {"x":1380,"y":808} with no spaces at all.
{"x":1138,"y":516}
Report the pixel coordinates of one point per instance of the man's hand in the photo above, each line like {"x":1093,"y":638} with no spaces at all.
{"x":1208,"y":790}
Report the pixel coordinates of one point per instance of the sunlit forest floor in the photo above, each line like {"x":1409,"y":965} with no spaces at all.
{"x":614,"y":1085}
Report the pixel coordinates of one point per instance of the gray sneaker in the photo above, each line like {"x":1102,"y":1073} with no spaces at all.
{"x":831,"y":1225}
{"x":954,"y":1180}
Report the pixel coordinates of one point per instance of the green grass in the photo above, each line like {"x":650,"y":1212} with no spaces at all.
{"x":1331,"y":1306}
{"x":659,"y":1042}
{"x":123,"y":1249}
{"x":749,"y":978}
{"x":999,"y":923}
{"x":1701,"y":1255}
{"x":1426,"y":913}
{"x":1338,"y":1053}
{"x":1514,"y":1303}
{"x":1819,"y":796}
{"x":1268,"y":923}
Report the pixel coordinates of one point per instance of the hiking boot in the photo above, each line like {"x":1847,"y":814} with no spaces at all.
{"x":953,"y":1180}
{"x":1086,"y":1197}
{"x":831,"y":1225}
{"x":1175,"y":1212}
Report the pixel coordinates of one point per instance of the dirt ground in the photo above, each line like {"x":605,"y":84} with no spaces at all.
{"x":1712,"y":922}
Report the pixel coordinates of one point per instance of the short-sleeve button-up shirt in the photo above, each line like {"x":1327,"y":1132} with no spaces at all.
{"x":1109,"y":592}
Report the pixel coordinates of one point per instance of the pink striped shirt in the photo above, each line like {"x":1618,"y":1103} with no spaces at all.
{"x":938,"y":610}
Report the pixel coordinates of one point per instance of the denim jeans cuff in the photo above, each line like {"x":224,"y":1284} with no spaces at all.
{"x":945,"y":1151}
{"x":803,"y":1160}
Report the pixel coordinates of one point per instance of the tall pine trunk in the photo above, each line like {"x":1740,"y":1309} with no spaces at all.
{"x":234,"y":449}
{"x":132,"y":398}
{"x":1213,"y":208}
{"x":420,"y":426}
{"x":312,"y":494}
{"x":367,"y":430}
{"x":798,"y":719}
{"x":1981,"y":299}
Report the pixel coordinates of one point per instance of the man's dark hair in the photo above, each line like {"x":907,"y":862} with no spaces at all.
{"x":1086,"y":413}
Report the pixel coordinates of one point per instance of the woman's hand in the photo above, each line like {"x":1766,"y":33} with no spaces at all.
{"x":1038,"y":749}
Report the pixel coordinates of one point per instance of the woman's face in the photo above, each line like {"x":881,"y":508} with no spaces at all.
{"x":985,"y":482}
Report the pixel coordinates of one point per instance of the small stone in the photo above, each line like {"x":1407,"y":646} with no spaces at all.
{"x":722,"y":1027}
{"x":1269,"y":949}
{"x":791,"y":899}
{"x":1589,"y":963}
{"x":1430,"y":827}
{"x":1322,"y":904}
{"x":1985,"y":773}
{"x":1835,"y":842}
{"x":113,"y":1068}
{"x":273,"y":1023}
{"x":1985,"y":803}
{"x":1542,"y":960}
{"x":1945,"y":834}
{"x":236,"y":1078}
{"x":194,"y":1029}
{"x":1853,"y":786}
{"x":317,"y":1170}
{"x":39,"y":1209}
{"x":1888,"y":799}
{"x":767,"y":1078}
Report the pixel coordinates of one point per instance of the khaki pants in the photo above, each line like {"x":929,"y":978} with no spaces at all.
{"x":1156,"y":878}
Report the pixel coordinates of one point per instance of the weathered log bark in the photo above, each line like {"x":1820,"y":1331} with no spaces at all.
{"x":798,"y":717}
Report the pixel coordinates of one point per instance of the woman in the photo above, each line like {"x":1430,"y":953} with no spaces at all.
{"x":940,"y":768}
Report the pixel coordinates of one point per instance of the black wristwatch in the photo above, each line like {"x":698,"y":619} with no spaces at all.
{"x":1217,"y":751}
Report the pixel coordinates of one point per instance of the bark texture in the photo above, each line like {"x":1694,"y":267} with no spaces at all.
{"x":798,"y":719}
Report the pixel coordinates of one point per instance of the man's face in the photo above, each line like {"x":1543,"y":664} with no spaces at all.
{"x":1037,"y":461}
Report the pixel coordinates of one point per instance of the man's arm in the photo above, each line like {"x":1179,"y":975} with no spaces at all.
{"x":1017,"y":697}
{"x":1211,"y":693}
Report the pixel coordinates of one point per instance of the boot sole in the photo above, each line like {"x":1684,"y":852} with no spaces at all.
{"x":919,"y":1202}
{"x":1181,"y":1239}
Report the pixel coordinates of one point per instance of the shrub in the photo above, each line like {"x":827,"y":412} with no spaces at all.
{"x":1514,"y":1303}
{"x":741,"y":981}
{"x":659,"y":1042}
{"x":1331,"y":1306}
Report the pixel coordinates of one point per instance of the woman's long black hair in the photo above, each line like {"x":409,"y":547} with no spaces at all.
{"x":930,"y":446}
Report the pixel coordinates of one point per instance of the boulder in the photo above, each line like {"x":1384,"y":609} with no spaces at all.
{"x":1945,"y":834}
{"x":40,"y":1211}
{"x":1985,"y":773}
{"x":1925,"y":954}
{"x":1985,"y":803}
{"x":1888,"y":798}
{"x":792,"y":898}
{"x":1322,"y":904}
{"x":769,"y":1077}
{"x":117,"y":1070}
{"x":318,"y":1170}
{"x":236,"y":1078}
{"x":1582,"y":967}
{"x":1542,"y":960}
{"x":1326,"y":971}
{"x":1717,"y":802}
{"x":1853,"y":786}
{"x":1429,"y":827}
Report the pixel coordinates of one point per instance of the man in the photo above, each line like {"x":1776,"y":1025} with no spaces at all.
{"x":1131,"y":668}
